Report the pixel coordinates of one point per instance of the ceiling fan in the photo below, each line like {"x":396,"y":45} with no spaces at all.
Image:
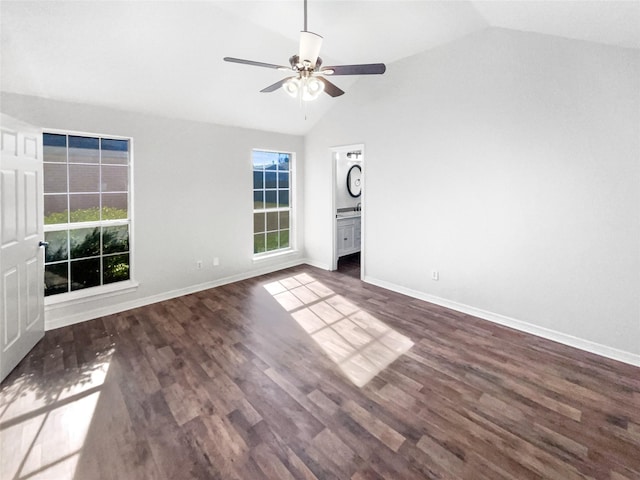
{"x":308,"y":80}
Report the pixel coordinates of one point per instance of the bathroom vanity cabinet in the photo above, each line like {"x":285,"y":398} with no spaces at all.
{"x":348,"y":235}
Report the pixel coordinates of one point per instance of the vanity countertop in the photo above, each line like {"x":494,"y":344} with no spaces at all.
{"x":348,"y":213}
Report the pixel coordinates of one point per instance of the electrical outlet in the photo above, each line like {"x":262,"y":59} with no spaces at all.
{"x":199,"y":264}
{"x":435,"y":275}
{"x":216,"y":261}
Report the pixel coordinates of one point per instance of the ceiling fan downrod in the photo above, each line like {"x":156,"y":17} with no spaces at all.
{"x":305,"y":15}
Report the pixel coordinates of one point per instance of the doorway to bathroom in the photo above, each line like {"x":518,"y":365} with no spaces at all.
{"x":348,"y":209}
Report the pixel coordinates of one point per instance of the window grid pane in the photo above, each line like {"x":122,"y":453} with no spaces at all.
{"x":84,"y":207}
{"x":55,"y":178}
{"x":258,"y":243}
{"x":56,"y":278}
{"x":56,"y":209}
{"x":83,"y":149}
{"x":85,"y":273}
{"x":115,"y":268}
{"x":284,"y":238}
{"x":55,"y":148}
{"x":258,"y":222}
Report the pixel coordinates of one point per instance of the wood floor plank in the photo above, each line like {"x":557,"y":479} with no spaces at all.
{"x":229,"y":383}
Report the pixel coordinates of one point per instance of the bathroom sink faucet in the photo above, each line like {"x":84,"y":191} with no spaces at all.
{"x":358,"y":207}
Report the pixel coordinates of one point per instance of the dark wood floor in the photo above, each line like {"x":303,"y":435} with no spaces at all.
{"x":350,"y":265}
{"x":227,"y":384}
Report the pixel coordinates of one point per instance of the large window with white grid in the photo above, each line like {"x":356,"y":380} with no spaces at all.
{"x":87,"y":213}
{"x":272,"y":201}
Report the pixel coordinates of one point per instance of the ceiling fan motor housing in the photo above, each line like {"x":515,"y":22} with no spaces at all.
{"x":298,"y":66}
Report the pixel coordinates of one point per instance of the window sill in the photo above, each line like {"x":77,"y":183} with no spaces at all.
{"x":266,"y":256}
{"x":90,"y":294}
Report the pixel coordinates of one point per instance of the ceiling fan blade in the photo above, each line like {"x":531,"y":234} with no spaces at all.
{"x":255,"y":64}
{"x":363,"y":69}
{"x":310,"y":44}
{"x":330,"y":88}
{"x":275,"y":86}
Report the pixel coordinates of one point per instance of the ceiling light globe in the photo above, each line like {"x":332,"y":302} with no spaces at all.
{"x":312,"y":88}
{"x":292,"y":87}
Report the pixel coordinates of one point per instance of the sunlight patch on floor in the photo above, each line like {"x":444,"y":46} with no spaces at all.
{"x":43,"y":426}
{"x":359,"y":343}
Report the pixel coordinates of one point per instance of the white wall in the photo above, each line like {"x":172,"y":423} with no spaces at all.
{"x":510,"y":163}
{"x":192,"y":198}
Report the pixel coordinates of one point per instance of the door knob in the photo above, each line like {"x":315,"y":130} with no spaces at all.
{"x":43,"y":244}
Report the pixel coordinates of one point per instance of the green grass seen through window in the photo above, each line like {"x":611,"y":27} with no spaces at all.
{"x":86,"y":215}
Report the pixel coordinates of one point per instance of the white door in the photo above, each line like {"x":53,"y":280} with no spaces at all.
{"x":21,"y":230}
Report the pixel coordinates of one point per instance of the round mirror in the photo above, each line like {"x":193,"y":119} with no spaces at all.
{"x":354,"y":181}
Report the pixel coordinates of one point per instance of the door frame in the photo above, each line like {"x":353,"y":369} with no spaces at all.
{"x":334,"y":226}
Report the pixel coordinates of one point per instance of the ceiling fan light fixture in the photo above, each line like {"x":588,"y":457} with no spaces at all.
{"x":311,"y":88}
{"x":292,"y":86}
{"x":306,"y":88}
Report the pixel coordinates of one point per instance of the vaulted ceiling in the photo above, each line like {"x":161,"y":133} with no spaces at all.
{"x":166,"y":57}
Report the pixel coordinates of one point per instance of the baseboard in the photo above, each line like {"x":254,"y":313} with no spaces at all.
{"x":141,"y":302}
{"x":320,"y":265}
{"x":569,"y":340}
